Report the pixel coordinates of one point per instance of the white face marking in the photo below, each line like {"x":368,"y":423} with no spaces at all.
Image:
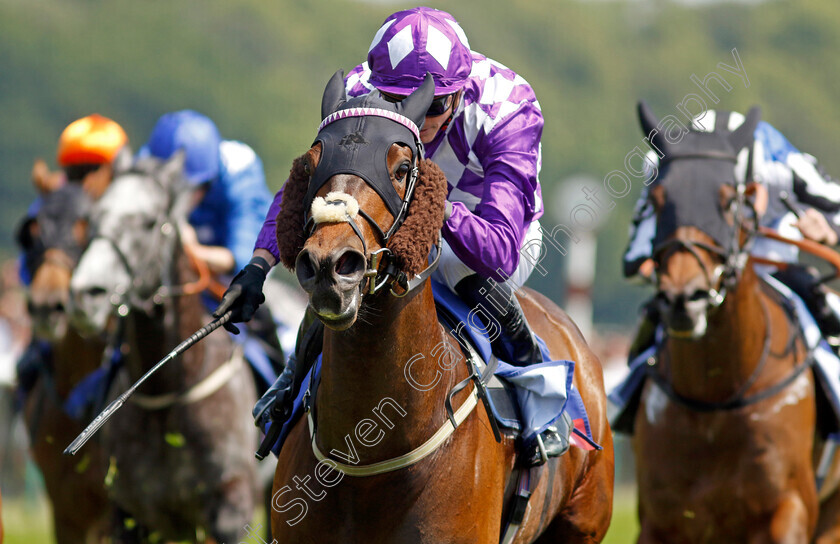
{"x":655,"y":403}
{"x":120,"y":216}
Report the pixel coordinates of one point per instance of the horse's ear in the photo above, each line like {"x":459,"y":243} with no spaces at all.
{"x":171,"y":172}
{"x":650,"y":126}
{"x":123,"y":160}
{"x":45,"y":181}
{"x":745,"y":134}
{"x":417,"y":103}
{"x":95,"y":183}
{"x":334,"y":95}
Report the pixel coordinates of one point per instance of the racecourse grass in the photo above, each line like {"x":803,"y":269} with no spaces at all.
{"x":624,"y":527}
{"x":28,"y":522}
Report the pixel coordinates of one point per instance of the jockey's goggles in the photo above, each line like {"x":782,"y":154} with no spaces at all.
{"x":439,"y":105}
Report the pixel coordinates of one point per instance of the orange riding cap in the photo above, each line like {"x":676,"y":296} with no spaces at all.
{"x":90,"y":140}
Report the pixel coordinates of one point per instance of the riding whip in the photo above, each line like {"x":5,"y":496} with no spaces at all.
{"x":785,"y":198}
{"x":106,"y":414}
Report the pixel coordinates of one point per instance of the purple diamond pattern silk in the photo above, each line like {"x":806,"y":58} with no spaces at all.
{"x":413,"y":42}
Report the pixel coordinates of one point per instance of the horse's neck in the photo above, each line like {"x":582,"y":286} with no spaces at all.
{"x":717,"y":365}
{"x":74,"y":357}
{"x":364,"y":378}
{"x":152,"y":337}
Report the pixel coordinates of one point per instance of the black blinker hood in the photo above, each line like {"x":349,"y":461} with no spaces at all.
{"x":692,"y":171}
{"x":358,"y":144}
{"x":59,"y":211}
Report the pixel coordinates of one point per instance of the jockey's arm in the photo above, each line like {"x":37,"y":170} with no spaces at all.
{"x":218,"y":259}
{"x":817,"y":193}
{"x":488,"y":238}
{"x":242,"y":195}
{"x":248,"y":199}
{"x":266,"y":244}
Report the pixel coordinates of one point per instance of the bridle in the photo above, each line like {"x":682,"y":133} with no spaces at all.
{"x":381,"y":270}
{"x":724,"y":277}
{"x":151,"y":284}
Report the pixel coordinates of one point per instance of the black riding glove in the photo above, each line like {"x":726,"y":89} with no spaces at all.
{"x":244,"y":295}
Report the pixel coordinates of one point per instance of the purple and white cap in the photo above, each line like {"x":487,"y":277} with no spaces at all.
{"x":415,"y":41}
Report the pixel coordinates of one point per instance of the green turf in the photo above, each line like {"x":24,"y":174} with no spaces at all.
{"x":624,"y":527}
{"x":27,"y":522}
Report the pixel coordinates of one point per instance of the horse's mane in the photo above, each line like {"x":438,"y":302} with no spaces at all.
{"x":410,"y":244}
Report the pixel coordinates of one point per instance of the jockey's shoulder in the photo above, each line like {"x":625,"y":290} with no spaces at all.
{"x":236,"y":156}
{"x":492,"y":83}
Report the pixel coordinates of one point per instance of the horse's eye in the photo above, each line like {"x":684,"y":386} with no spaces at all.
{"x":402,"y":171}
{"x":307,"y":169}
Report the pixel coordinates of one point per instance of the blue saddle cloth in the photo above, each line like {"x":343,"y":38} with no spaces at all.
{"x":86,"y":397}
{"x":541,"y":392}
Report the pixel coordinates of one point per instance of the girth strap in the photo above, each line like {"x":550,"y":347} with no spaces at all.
{"x":518,"y":505}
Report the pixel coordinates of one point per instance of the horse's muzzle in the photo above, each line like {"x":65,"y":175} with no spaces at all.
{"x":333,"y":283}
{"x":685,"y":316}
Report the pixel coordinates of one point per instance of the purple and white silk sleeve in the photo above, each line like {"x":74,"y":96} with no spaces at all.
{"x":267,"y":238}
{"x":489,"y":238}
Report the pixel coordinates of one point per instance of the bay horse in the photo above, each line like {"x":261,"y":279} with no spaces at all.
{"x":180,"y":451}
{"x":52,"y":242}
{"x":457,"y":493}
{"x":725,"y":432}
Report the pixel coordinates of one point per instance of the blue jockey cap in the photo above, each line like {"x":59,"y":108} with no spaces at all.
{"x":194,"y":133}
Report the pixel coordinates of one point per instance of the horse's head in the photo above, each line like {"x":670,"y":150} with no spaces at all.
{"x":134,"y":237}
{"x":52,"y":241}
{"x":361,"y":208}
{"x":704,"y":214}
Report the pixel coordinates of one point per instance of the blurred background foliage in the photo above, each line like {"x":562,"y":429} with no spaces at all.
{"x":258,"y":69}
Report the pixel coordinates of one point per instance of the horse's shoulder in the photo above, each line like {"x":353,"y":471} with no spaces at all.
{"x":561,"y":335}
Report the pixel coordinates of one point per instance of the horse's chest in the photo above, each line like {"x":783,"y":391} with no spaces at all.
{"x":704,"y":475}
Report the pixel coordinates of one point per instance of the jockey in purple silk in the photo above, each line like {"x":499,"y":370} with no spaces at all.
{"x":483,"y":129}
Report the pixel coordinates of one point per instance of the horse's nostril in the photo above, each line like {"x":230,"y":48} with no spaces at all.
{"x":304,"y":267}
{"x":349,"y":263}
{"x":698,"y":295}
{"x":97,"y":291}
